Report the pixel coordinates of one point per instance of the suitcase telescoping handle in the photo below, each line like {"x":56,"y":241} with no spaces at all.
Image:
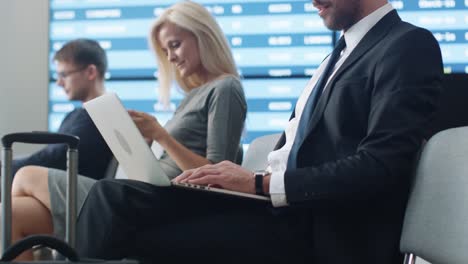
{"x":7,"y":178}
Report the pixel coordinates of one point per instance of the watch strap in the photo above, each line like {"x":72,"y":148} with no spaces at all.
{"x":259,"y":182}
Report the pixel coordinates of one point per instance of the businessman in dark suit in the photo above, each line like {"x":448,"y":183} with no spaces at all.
{"x":81,"y":65}
{"x":338,"y":178}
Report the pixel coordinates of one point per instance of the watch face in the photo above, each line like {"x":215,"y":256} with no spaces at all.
{"x":261,"y":172}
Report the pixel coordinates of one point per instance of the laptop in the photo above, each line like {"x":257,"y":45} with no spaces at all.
{"x":130,"y":148}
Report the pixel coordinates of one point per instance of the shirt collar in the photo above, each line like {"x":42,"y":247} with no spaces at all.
{"x":355,"y":33}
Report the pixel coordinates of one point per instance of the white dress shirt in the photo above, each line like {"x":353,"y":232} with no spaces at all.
{"x":278,"y":159}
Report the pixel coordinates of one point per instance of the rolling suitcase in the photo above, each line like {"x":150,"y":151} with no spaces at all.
{"x":9,"y":252}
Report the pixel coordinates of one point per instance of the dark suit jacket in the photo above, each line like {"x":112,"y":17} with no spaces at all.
{"x":355,"y":165}
{"x":93,"y":153}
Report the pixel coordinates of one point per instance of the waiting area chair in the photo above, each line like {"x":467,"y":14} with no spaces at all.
{"x":111,"y":170}
{"x":256,"y":156}
{"x":436,"y":221}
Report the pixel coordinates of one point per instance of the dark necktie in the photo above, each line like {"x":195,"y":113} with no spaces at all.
{"x":312,"y":103}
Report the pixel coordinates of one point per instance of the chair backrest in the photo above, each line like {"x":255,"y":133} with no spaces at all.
{"x":436,"y":220}
{"x":256,"y":155}
{"x":111,"y":168}
{"x":239,"y":155}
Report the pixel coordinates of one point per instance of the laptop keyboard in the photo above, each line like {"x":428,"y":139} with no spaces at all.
{"x":190,"y":185}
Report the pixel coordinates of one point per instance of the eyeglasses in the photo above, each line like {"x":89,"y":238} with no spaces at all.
{"x":63,"y":75}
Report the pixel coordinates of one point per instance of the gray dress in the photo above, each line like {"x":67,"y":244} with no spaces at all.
{"x":209,"y":121}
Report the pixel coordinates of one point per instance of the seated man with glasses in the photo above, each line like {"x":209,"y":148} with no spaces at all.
{"x":81,"y":65}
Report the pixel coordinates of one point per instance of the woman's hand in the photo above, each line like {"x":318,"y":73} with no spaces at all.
{"x":151,"y":130}
{"x":226,"y":175}
{"x":148,"y":125}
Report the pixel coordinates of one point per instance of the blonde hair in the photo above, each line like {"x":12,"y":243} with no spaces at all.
{"x":215,"y":53}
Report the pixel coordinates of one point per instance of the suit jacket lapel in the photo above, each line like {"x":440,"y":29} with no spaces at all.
{"x":370,"y":40}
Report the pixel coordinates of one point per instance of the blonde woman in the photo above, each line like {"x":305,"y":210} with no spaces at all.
{"x":206,"y":127}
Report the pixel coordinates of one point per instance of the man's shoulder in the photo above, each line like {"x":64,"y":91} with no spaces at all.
{"x":404,"y":27}
{"x":78,"y":112}
{"x":405,"y":32}
{"x":77,"y":117}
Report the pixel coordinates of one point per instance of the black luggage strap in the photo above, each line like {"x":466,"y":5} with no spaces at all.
{"x":35,"y":240}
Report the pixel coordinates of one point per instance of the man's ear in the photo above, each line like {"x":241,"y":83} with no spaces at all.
{"x":92,"y":72}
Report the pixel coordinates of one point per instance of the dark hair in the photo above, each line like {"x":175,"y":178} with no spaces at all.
{"x":83,"y":52}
